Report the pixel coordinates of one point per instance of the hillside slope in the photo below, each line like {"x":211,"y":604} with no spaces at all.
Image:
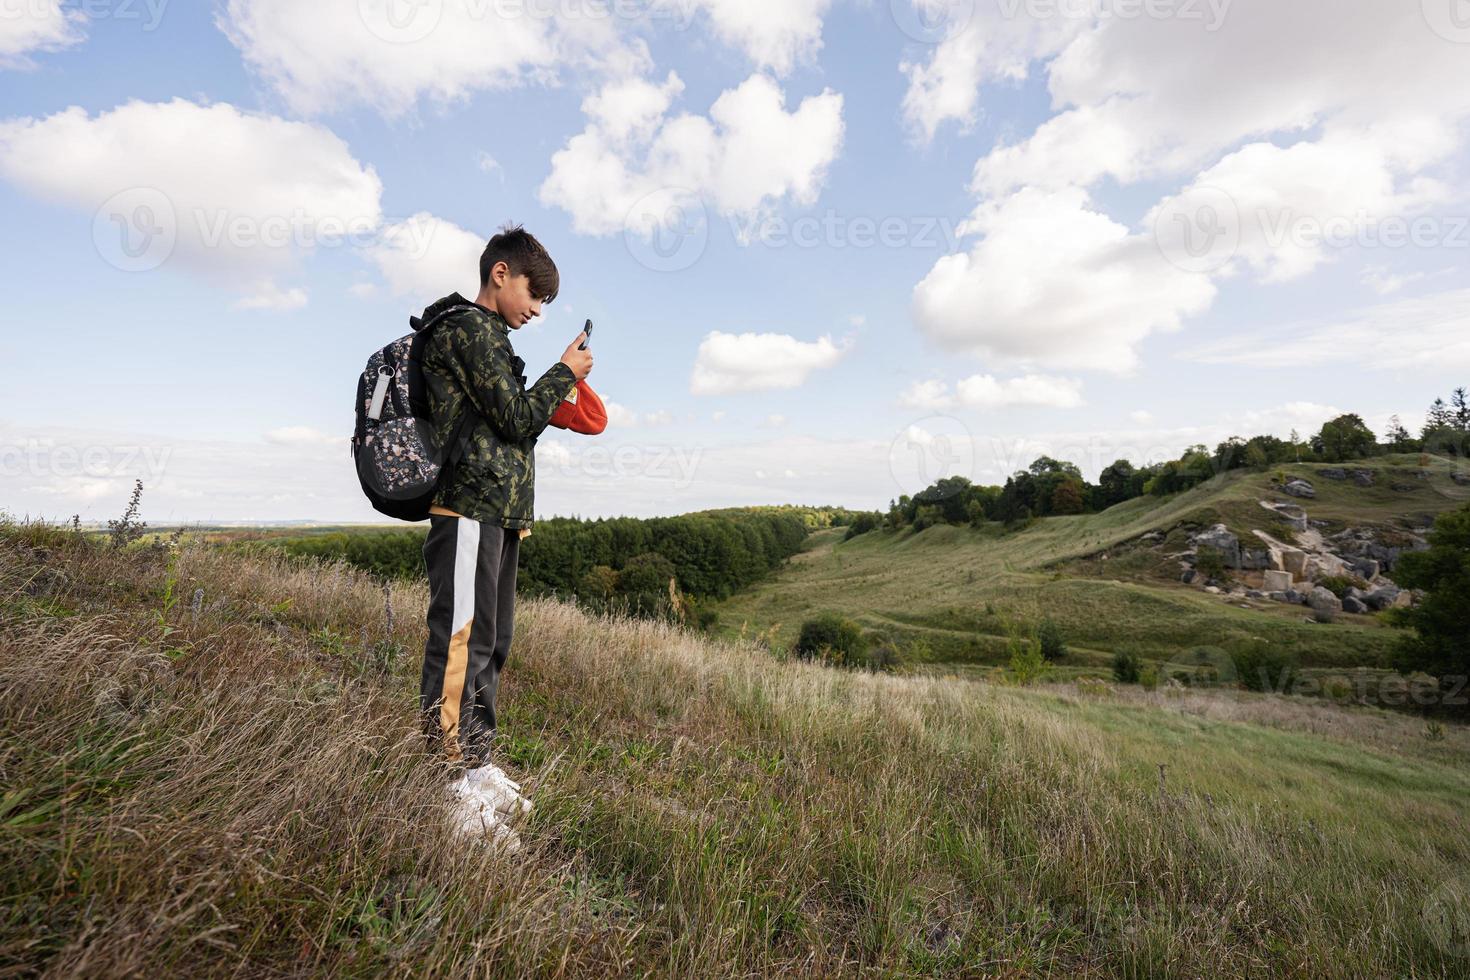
{"x":957,"y":587}
{"x":233,"y":784}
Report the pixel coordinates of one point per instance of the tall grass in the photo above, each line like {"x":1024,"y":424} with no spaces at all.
{"x":247,"y":794}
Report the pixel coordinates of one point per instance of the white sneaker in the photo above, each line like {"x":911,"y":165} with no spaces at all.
{"x":499,"y":790}
{"x":474,"y":817}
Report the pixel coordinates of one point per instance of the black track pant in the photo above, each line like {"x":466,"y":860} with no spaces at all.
{"x":472,"y":590}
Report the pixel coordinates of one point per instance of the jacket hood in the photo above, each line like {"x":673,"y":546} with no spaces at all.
{"x":452,"y":300}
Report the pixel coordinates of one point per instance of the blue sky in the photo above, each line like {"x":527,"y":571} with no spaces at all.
{"x":1036,"y":169}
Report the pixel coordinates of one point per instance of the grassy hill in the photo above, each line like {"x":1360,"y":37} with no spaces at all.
{"x":956,"y":587}
{"x":211,"y":766}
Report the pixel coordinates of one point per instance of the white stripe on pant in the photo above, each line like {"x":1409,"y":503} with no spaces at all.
{"x":472,"y":576}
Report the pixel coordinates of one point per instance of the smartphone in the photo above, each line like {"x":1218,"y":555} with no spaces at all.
{"x":588,"y":331}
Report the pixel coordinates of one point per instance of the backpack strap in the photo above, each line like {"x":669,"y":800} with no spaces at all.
{"x":421,"y":329}
{"x":419,"y":326}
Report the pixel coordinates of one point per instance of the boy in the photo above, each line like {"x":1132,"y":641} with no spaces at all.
{"x":482,"y":509}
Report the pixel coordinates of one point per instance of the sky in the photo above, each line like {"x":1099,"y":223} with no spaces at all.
{"x":834,"y":249}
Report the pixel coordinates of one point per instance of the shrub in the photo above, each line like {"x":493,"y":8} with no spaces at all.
{"x":1211,"y":563}
{"x":1053,"y":646}
{"x":1338,"y":585}
{"x":1127,"y":667}
{"x":1262,"y":667}
{"x":886,"y":658}
{"x":1027,"y":664}
{"x":832,"y":638}
{"x":1148,"y":677}
{"x":862,"y":524}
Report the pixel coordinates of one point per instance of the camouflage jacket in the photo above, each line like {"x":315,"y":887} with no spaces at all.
{"x":469,"y":366}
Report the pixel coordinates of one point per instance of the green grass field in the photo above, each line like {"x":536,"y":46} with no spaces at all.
{"x":239,"y":788}
{"x":956,"y":588}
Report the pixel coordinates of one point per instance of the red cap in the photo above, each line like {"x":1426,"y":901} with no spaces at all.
{"x":581,"y":411}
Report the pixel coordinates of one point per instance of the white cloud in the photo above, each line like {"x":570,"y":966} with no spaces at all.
{"x":988,"y":46}
{"x":728,"y":363}
{"x":427,"y":257}
{"x":774,"y":34}
{"x":1127,"y":90}
{"x":296,"y":474}
{"x":747,"y":155}
{"x":234,"y":196}
{"x":1141,"y":417}
{"x":31,"y":26}
{"x":551,"y":453}
{"x":621,"y":417}
{"x":1385,"y":282}
{"x":931,"y":395}
{"x":985,"y":391}
{"x":1290,"y":205}
{"x":269,"y":296}
{"x":1055,"y":283}
{"x":773,"y":421}
{"x":330,"y":54}
{"x":1319,"y":152}
{"x":488,"y":164}
{"x":301,"y":435}
{"x":1426,"y":333}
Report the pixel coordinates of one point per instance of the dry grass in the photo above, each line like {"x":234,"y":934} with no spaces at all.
{"x":244,"y":792}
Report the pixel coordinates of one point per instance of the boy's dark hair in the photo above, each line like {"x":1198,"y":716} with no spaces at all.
{"x":524,"y":256}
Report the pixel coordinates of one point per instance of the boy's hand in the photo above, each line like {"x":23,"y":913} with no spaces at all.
{"x":580,"y":361}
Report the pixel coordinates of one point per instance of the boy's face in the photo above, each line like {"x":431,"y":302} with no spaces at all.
{"x":514,"y":299}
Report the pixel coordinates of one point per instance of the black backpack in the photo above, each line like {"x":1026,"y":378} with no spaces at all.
{"x":398,"y":457}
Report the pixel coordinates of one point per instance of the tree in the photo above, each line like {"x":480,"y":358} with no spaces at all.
{"x":1230,"y":454}
{"x":1461,"y":419}
{"x":832,"y":638}
{"x":1117,"y":483}
{"x":1345,"y":437}
{"x":599,"y":583}
{"x":644,"y":583}
{"x":1053,"y":643}
{"x":1397,"y":435}
{"x":1067,"y":498}
{"x":1439,"y":417}
{"x":1440,"y":644}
